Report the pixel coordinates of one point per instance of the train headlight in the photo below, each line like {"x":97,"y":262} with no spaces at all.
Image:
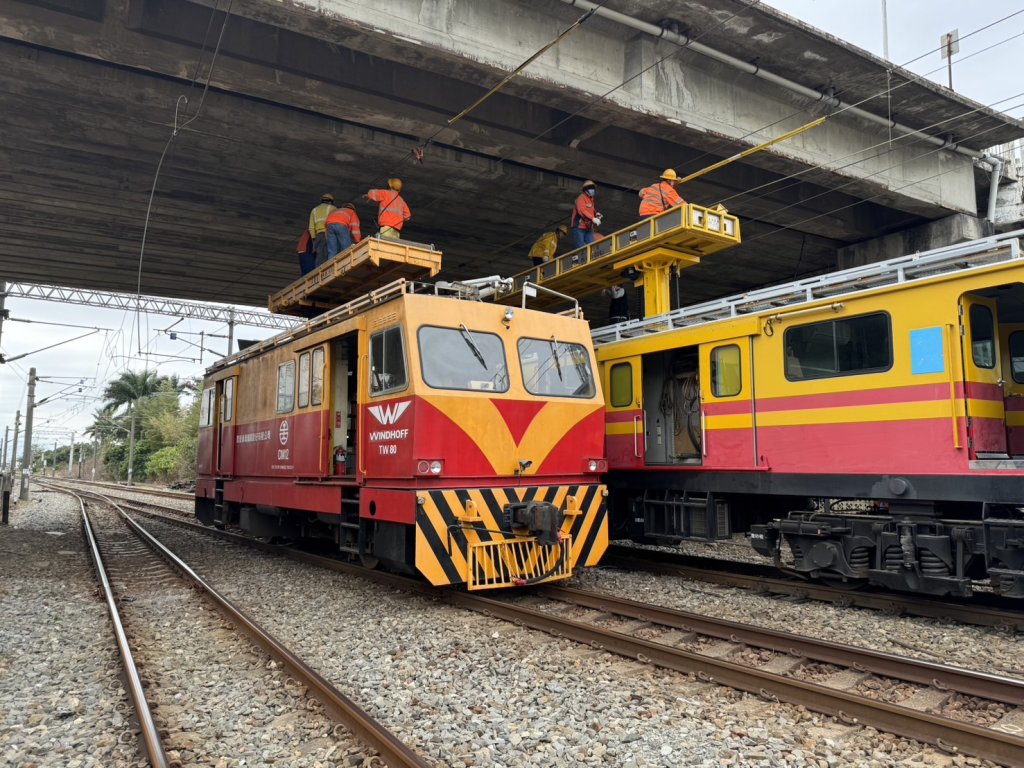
{"x":422,"y":467}
{"x":435,"y":467}
{"x":595,"y":465}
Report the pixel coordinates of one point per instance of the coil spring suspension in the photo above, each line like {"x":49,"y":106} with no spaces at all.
{"x":893,"y":558}
{"x":860,"y":557}
{"x":931,"y":563}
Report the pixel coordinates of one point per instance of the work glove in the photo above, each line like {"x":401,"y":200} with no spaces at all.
{"x":597,"y":219}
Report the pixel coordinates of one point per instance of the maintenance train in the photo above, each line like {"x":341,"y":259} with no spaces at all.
{"x":870,"y":420}
{"x":416,"y":429}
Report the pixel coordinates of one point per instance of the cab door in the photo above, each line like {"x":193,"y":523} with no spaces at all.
{"x":225,"y":426}
{"x":1011,"y":342}
{"x":624,"y":415}
{"x":983,"y":378}
{"x":727,"y":412}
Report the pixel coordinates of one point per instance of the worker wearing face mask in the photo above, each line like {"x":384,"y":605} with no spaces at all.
{"x":584,"y":216}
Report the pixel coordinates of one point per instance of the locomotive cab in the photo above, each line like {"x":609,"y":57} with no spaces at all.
{"x":428,"y":433}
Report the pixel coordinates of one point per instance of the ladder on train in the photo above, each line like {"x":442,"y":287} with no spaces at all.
{"x":904,"y":269}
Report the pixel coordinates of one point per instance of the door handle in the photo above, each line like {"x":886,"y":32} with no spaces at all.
{"x":636,"y":432}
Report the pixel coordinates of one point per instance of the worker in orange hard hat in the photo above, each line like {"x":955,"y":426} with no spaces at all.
{"x":318,"y":226}
{"x":584,"y":215}
{"x":547,"y":244}
{"x":342,"y":229}
{"x":392,"y":212}
{"x":661,"y":196}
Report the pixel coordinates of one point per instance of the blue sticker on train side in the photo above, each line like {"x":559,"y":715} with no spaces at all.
{"x":926,"y":351}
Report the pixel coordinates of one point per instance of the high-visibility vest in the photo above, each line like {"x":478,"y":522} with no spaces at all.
{"x":347,"y":218}
{"x":392,"y":210}
{"x":545,"y":246}
{"x":583,"y":212}
{"x":657,"y":198}
{"x":318,"y":219}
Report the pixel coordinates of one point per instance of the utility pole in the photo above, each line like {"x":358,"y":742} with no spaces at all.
{"x":3,"y":459}
{"x":131,"y":443}
{"x":885,"y":32}
{"x":55,"y":457}
{"x":3,"y":311}
{"x":71,"y":455}
{"x":231,"y":330}
{"x":95,"y":452}
{"x":14,"y":443}
{"x":26,"y":457}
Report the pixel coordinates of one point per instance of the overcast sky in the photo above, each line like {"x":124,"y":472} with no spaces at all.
{"x":986,"y":70}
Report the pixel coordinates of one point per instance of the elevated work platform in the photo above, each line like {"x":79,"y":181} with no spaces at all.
{"x":367,"y":265}
{"x":677,"y":238}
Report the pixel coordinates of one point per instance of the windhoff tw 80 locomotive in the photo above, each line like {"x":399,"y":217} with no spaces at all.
{"x":418,"y":429}
{"x":872,"y":420}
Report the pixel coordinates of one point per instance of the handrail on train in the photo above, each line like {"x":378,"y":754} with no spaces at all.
{"x":975,"y":254}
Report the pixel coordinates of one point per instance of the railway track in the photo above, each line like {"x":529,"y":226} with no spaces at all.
{"x":131,"y":565}
{"x":953,"y":709}
{"x":986,"y":610}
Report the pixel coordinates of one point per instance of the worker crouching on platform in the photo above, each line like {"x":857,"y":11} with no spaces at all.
{"x":304,"y":250}
{"x":392,"y":212}
{"x":342,"y":229}
{"x":584,"y":216}
{"x":318,"y":226}
{"x":547,"y":244}
{"x":661,"y":196}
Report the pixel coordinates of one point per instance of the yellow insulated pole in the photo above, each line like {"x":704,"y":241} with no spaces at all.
{"x":752,"y":150}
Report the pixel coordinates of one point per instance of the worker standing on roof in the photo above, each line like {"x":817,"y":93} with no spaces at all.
{"x":342,"y":229}
{"x":661,"y":196}
{"x":318,"y":226}
{"x":392,"y":212}
{"x":546,"y":245}
{"x":584,"y":216}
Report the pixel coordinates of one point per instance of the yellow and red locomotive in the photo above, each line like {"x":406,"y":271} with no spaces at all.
{"x":419,"y":429}
{"x":870,"y":419}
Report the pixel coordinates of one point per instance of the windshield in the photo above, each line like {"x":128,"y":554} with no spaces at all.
{"x":458,"y":358}
{"x":556,"y":368}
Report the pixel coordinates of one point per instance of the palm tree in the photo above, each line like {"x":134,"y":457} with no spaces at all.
{"x":126,"y":390}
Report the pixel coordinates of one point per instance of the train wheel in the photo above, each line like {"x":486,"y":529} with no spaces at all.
{"x":369,"y":561}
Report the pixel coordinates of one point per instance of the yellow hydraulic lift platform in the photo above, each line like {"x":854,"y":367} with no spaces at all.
{"x":676,"y":238}
{"x":367,"y":265}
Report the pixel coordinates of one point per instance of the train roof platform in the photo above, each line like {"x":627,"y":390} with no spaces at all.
{"x":367,"y":265}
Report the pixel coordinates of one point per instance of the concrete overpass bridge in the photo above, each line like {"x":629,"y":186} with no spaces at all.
{"x":308,"y":96}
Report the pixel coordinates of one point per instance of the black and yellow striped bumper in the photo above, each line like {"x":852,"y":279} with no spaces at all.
{"x":460,"y":537}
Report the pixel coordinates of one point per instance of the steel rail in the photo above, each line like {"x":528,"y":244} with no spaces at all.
{"x":946,"y":734}
{"x":395,"y":752}
{"x":766,"y":579}
{"x":148,"y":731}
{"x":1001,"y":688}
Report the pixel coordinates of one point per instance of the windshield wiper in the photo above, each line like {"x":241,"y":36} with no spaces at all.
{"x":554,"y":353}
{"x":472,"y":345}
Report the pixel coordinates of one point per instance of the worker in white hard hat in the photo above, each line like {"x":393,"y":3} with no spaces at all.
{"x":661,"y":196}
{"x":584,"y":216}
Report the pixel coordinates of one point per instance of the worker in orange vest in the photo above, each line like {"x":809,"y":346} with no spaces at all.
{"x":342,"y":229}
{"x":392,"y":212}
{"x":661,"y":196}
{"x":318,"y":226}
{"x":584,"y":217}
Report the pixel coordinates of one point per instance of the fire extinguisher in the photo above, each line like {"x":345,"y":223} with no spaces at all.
{"x":339,"y":460}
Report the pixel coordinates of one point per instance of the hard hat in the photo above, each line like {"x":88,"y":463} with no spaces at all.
{"x":670,"y":175}
{"x":588,"y":183}
{"x":395,"y":184}
{"x":563,"y":229}
{"x":327,"y":197}
{"x":349,"y":205}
